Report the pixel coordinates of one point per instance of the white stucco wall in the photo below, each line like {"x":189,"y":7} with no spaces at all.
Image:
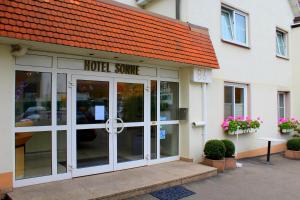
{"x":295,"y":58}
{"x":6,"y":107}
{"x":257,"y":66}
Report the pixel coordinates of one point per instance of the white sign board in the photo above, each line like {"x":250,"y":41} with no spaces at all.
{"x":202,"y":75}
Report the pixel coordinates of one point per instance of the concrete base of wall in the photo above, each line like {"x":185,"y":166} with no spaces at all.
{"x":262,"y":151}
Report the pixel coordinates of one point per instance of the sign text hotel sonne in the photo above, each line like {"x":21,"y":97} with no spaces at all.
{"x":98,"y":66}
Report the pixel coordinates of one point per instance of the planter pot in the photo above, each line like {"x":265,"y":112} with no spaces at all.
{"x":219,"y":164}
{"x":240,"y":132}
{"x":295,"y":155}
{"x":286,"y":131}
{"x":230,"y":163}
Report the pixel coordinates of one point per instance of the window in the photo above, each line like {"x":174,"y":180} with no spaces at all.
{"x":281,"y":43}
{"x":283,"y":104}
{"x":234,"y":26}
{"x":235,"y":100}
{"x":164,"y":119}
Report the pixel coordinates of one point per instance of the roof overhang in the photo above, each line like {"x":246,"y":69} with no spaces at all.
{"x":107,"y":29}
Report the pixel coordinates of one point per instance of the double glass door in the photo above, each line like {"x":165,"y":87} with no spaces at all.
{"x":108,"y":127}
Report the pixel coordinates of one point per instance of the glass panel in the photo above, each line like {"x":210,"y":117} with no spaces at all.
{"x":61,"y":99}
{"x":131,"y":144}
{"x":169,"y":100}
{"x":281,"y":112}
{"x":240,"y":28}
{"x":130,"y":104}
{"x":153,"y":142}
{"x":92,"y":147}
{"x":227,"y":25}
{"x":92,"y":102}
{"x":169,"y":140}
{"x":62,"y":152}
{"x":239,"y":102}
{"x":153,"y":100}
{"x":281,"y":100}
{"x":281,"y":47}
{"x":33,"y":99}
{"x":33,"y":154}
{"x":228,"y":99}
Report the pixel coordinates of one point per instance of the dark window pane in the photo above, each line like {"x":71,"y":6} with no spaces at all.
{"x":130,"y":104}
{"x":169,"y":100}
{"x":92,"y":148}
{"x":92,"y":102}
{"x":33,"y":98}
{"x":153,"y":142}
{"x":33,"y":154}
{"x":131,"y":144}
{"x":61,"y":99}
{"x":62,"y":152}
{"x":239,"y":102}
{"x":153,"y":100}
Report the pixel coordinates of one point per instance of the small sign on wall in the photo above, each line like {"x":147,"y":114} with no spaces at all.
{"x":163,"y":134}
{"x":202,"y":75}
{"x":99,"y":112}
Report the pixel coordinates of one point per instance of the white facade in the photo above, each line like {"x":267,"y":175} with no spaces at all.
{"x":255,"y":65}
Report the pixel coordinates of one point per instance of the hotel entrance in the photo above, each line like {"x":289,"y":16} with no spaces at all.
{"x":108,"y":124}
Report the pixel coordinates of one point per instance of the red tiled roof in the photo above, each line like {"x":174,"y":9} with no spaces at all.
{"x":106,"y":26}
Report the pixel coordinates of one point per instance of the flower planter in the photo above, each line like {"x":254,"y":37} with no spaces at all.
{"x":219,"y":164}
{"x":230,"y":163}
{"x":286,"y":131}
{"x":295,"y":155}
{"x":240,"y":132}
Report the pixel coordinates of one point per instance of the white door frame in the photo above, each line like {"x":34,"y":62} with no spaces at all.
{"x":96,"y":169}
{"x":113,"y":165}
{"x":145,"y":124}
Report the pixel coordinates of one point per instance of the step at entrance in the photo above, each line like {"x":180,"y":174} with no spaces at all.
{"x":117,"y":185}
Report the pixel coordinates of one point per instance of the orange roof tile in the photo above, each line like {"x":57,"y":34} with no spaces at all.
{"x":106,"y":26}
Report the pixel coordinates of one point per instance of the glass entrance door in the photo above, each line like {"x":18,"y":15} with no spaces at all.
{"x":92,"y":144}
{"x":130,"y":118}
{"x":108,"y":131}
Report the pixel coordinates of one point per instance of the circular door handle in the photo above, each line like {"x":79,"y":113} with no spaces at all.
{"x":122,"y":125}
{"x":107,"y":125}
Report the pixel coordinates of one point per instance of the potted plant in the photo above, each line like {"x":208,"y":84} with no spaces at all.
{"x":230,"y":161}
{"x":214,"y":151}
{"x":240,"y":125}
{"x":293,"y":149}
{"x":286,"y":125}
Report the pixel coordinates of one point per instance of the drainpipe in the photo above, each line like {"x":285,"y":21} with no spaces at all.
{"x":178,"y":9}
{"x":204,"y":111}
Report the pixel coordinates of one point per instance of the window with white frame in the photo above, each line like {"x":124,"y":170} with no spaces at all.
{"x":281,"y":43}
{"x":283,"y":104}
{"x":234,"y":26}
{"x":235,"y":100}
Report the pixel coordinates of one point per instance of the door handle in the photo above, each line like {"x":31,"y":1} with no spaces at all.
{"x":107,"y":125}
{"x":122,"y":125}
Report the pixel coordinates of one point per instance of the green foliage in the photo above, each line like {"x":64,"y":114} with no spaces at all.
{"x":230,"y":148}
{"x":293,"y":144}
{"x":214,"y":149}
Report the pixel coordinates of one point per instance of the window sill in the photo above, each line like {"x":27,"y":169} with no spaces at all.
{"x":282,"y":57}
{"x":236,"y":44}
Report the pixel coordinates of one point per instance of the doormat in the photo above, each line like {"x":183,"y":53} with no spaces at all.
{"x":172,"y":193}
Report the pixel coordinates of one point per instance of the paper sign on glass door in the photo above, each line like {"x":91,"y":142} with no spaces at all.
{"x":99,"y":112}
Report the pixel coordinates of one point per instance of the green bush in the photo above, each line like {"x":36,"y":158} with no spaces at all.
{"x":230,"y":148}
{"x":214,"y":149}
{"x":293,"y":144}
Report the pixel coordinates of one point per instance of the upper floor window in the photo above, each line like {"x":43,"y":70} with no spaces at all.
{"x":281,"y":43}
{"x":234,"y":26}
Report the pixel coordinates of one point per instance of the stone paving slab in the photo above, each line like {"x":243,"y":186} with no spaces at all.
{"x":117,"y":185}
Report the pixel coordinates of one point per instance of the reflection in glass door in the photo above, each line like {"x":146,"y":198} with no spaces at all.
{"x":130,"y":115}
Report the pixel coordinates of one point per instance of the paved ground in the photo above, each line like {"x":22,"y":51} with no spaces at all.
{"x":254,"y":181}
